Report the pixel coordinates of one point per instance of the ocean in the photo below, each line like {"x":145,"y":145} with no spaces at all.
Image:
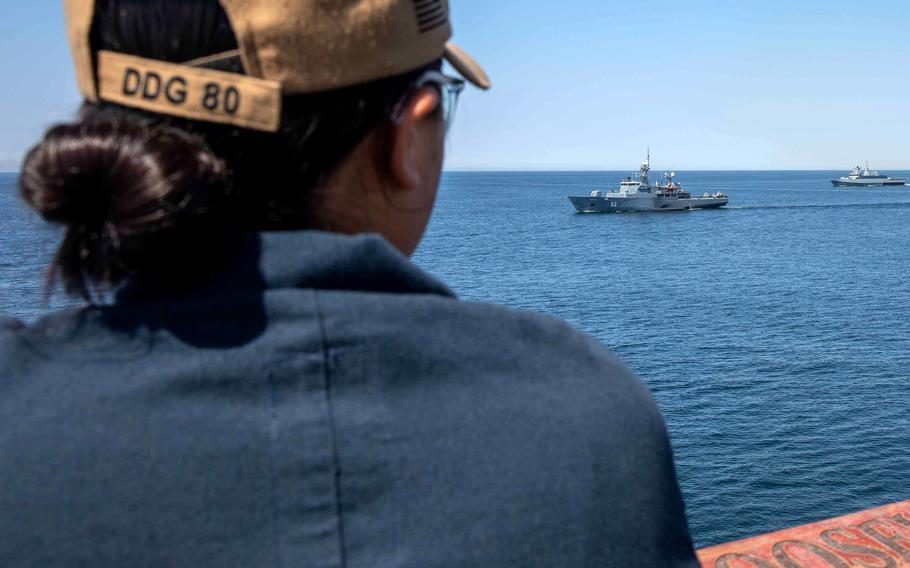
{"x":774,"y":333}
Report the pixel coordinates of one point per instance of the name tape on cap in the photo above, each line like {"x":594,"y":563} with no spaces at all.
{"x":189,"y":92}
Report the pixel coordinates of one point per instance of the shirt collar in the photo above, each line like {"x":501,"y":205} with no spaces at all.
{"x":305,"y":259}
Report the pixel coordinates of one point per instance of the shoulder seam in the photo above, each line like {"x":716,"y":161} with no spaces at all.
{"x":329,"y":402}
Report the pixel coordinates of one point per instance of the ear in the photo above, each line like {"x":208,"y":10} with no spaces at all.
{"x":409,"y":138}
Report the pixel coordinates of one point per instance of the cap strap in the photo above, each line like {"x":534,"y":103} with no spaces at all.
{"x":189,"y":92}
{"x":217,"y":58}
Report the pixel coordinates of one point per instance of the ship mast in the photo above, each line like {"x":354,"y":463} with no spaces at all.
{"x":645,"y":173}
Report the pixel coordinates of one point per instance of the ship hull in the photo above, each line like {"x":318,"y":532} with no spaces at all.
{"x":644,"y":203}
{"x":868,"y":183}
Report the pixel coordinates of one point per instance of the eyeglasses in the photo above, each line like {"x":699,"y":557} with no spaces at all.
{"x":449,"y":88}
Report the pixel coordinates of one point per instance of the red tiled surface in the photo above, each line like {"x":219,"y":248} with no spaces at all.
{"x":878,"y":538}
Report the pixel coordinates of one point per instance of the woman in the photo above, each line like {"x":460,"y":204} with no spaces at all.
{"x":260,"y":377}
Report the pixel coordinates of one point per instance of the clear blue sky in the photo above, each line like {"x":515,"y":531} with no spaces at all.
{"x":589,"y":84}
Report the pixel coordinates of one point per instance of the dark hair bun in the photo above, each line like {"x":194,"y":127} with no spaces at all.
{"x":113,"y":185}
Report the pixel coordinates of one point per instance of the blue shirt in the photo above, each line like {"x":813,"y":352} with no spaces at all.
{"x":321,"y":403}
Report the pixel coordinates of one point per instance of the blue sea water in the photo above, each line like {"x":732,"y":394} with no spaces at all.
{"x":774,"y":333}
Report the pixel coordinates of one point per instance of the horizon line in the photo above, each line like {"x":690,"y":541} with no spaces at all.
{"x":586,"y":170}
{"x":590,"y":170}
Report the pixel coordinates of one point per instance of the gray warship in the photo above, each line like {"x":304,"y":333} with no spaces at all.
{"x":866,"y":178}
{"x":637,"y":194}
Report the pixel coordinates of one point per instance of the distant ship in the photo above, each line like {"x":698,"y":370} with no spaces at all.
{"x":639,"y":195}
{"x":866,"y":178}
